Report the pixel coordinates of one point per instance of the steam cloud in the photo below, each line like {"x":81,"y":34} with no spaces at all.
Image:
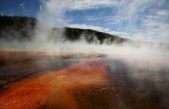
{"x":51,"y":15}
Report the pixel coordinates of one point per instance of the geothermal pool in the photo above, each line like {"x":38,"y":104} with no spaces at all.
{"x":48,"y":80}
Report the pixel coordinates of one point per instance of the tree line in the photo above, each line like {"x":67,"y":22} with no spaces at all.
{"x":17,"y":27}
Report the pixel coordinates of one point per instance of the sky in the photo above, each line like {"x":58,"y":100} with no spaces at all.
{"x":137,"y":19}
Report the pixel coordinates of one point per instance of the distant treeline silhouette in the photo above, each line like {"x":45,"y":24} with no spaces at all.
{"x":23,"y":28}
{"x":16,"y":28}
{"x":93,"y":36}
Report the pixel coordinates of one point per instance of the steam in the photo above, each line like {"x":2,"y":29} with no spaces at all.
{"x":52,"y":12}
{"x":51,"y":15}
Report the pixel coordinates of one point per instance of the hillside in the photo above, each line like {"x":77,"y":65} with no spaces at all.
{"x":17,"y":28}
{"x":23,"y":28}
